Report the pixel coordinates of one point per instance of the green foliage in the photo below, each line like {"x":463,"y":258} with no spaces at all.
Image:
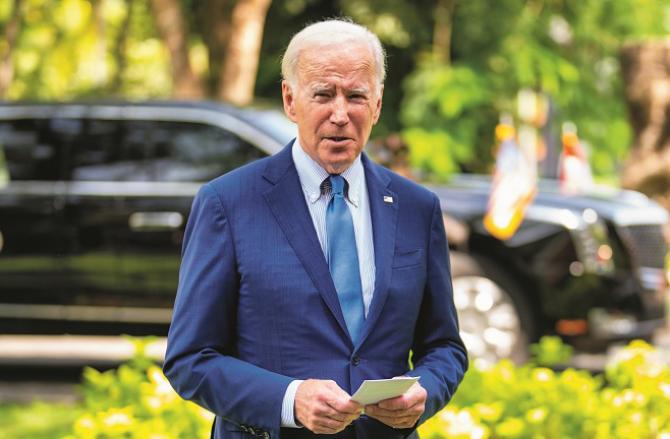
{"x":67,"y":49}
{"x":136,"y":401}
{"x":632,"y":400}
{"x":443,"y":125}
{"x":551,"y":351}
{"x":567,"y":49}
{"x":37,"y":420}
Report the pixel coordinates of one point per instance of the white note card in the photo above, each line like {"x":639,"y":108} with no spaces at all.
{"x":373,"y":391}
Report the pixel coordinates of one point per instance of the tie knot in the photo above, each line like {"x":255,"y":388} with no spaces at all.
{"x":337,"y":185}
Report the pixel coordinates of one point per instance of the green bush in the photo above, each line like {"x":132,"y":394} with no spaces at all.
{"x":551,"y":351}
{"x":631,"y":400}
{"x":136,"y":401}
{"x":37,"y":420}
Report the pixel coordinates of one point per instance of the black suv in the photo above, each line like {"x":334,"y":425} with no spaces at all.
{"x":94,"y":199}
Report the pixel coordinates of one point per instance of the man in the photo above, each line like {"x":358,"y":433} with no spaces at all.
{"x":305,"y":273}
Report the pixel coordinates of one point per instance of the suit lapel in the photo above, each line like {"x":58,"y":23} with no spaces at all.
{"x":384,"y":215}
{"x":287,"y":203}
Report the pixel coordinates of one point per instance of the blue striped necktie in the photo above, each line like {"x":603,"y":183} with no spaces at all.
{"x":343,"y":258}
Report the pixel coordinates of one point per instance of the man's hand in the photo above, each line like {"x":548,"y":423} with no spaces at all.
{"x":402,"y":411}
{"x":323,"y":407}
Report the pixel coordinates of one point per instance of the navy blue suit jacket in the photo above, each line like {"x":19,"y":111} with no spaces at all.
{"x":256,"y":306}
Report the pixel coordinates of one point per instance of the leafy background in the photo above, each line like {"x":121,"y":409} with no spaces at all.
{"x":443,"y":97}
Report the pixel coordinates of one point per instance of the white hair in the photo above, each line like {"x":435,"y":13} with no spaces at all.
{"x":329,"y":32}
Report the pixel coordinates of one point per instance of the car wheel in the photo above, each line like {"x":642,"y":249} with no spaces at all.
{"x":495,"y":320}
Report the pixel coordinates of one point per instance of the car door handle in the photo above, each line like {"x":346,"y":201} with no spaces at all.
{"x":152,"y":221}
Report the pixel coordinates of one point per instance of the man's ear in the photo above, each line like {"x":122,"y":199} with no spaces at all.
{"x":378,"y":104}
{"x":289,"y":99}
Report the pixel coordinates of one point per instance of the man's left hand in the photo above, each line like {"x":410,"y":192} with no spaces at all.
{"x":402,"y":411}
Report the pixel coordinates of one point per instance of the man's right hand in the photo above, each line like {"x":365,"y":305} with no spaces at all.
{"x":323,"y":407}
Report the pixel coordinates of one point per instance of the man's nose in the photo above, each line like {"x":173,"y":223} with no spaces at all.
{"x":340,"y":111}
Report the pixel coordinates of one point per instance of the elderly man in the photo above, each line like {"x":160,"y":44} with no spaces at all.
{"x":307,"y":272}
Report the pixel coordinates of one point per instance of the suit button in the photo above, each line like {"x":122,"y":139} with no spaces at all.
{"x":355,"y":360}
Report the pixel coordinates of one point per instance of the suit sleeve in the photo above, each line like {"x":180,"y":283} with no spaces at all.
{"x":200,"y":361}
{"x":439,"y":356}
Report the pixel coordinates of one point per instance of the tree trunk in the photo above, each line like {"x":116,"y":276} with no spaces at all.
{"x":215,"y":19}
{"x":444,"y":16}
{"x":101,"y":42}
{"x":238,"y":76}
{"x":646,"y":73}
{"x":11,"y":34}
{"x":173,"y":30}
{"x":119,"y":50}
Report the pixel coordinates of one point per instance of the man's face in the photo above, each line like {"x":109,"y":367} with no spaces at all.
{"x":335,"y":102}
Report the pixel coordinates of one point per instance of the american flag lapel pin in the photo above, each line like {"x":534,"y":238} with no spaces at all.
{"x":388,"y":199}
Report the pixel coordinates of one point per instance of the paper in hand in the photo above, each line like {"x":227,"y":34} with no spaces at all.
{"x":373,"y":391}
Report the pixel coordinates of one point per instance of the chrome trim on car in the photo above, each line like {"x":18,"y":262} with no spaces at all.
{"x":651,"y":278}
{"x":589,"y":233}
{"x":85,"y":313}
{"x":554,"y":215}
{"x":33,"y":187}
{"x":150,"y":221}
{"x":117,"y":189}
{"x":73,"y":349}
{"x":102,"y":188}
{"x":640,"y":216}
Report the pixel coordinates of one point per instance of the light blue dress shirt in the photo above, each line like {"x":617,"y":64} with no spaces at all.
{"x":311,"y":176}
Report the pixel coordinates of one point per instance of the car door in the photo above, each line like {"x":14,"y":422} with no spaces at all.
{"x":93,"y":213}
{"x":132,"y":182}
{"x":174,"y":159}
{"x":33,"y":235}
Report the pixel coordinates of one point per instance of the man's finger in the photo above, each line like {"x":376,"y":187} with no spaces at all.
{"x":415,"y":394}
{"x":326,"y":421}
{"x":341,"y":401}
{"x":376,"y":410}
{"x":398,"y":403}
{"x":330,"y":421}
{"x":400,"y":422}
{"x":323,"y":407}
{"x":327,"y":411}
{"x":328,"y":425}
{"x":345,"y":405}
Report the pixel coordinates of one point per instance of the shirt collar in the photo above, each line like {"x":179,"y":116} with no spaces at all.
{"x":311,"y":175}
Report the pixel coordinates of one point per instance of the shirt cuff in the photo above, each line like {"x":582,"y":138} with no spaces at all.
{"x":288,"y":406}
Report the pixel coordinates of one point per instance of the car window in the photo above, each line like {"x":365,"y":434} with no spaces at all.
{"x":158,"y":151}
{"x":97,"y":155}
{"x":273,"y":122}
{"x":31,"y":149}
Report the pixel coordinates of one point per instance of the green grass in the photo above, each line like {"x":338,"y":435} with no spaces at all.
{"x":38,"y":420}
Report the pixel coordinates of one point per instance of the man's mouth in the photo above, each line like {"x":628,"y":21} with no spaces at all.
{"x":337,"y":138}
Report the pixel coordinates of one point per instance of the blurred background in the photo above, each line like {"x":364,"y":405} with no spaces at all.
{"x":550,"y":100}
{"x":453,"y":66}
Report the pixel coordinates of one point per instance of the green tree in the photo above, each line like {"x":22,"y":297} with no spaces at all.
{"x":66,"y":49}
{"x":567,"y":49}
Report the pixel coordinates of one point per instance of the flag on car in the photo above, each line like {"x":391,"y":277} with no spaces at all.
{"x":514,"y":185}
{"x":574,"y":170}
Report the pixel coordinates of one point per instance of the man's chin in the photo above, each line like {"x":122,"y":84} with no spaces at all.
{"x":338,"y":164}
